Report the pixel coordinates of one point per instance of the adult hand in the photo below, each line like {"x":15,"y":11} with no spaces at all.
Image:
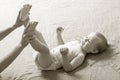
{"x":19,"y":23}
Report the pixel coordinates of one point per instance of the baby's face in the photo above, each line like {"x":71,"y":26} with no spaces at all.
{"x":90,"y":42}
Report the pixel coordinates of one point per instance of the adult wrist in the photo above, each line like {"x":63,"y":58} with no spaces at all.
{"x":14,"y":26}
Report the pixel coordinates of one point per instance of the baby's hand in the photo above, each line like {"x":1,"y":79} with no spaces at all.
{"x":59,"y":30}
{"x":64,"y":51}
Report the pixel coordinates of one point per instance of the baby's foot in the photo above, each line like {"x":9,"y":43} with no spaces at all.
{"x":32,"y":25}
{"x":24,"y":12}
{"x":30,"y":29}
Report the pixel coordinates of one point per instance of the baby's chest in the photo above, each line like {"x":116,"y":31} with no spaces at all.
{"x":73,"y":52}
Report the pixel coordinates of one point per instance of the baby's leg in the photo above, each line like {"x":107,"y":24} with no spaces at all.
{"x":38,"y":43}
{"x":40,"y":37}
{"x":44,"y":57}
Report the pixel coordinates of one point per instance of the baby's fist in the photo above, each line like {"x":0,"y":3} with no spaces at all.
{"x":64,"y":50}
{"x":59,"y":30}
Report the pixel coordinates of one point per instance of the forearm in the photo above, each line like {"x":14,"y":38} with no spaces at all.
{"x":59,"y":39}
{"x":66,"y":64}
{"x":5,"y":32}
{"x":10,"y":57}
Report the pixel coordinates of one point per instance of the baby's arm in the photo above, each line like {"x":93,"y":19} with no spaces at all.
{"x":69,"y":66}
{"x":77,"y":61}
{"x":59,"y":35}
{"x":65,"y":62}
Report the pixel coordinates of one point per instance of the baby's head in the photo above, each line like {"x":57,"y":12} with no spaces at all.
{"x":94,"y":43}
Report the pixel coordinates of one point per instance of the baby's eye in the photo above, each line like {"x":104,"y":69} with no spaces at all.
{"x":88,"y":40}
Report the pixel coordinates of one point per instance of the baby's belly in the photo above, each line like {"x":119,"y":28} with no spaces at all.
{"x":74,"y":50}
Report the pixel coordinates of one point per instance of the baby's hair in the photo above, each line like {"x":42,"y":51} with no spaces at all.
{"x":103,"y":44}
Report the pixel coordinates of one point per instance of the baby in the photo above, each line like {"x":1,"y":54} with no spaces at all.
{"x":67,"y":55}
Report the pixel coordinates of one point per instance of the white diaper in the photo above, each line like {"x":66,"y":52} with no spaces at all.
{"x":54,"y":66}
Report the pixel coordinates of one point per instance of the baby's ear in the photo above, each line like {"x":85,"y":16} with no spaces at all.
{"x":95,"y":51}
